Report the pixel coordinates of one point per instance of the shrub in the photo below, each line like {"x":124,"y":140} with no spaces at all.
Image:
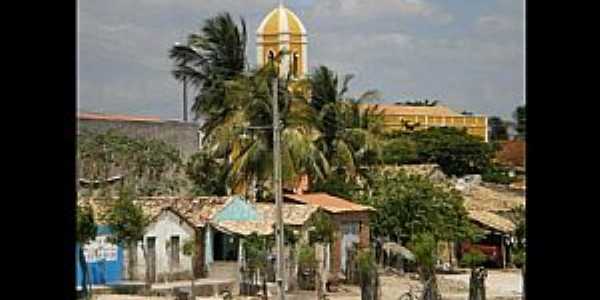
{"x":400,"y":150}
{"x":496,"y":175}
{"x":473,"y":258}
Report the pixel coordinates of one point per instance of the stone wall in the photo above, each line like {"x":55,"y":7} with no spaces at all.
{"x":182,"y":135}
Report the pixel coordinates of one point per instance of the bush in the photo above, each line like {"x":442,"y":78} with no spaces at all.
{"x":400,"y":150}
{"x":518,"y":257}
{"x":306,"y":256}
{"x":473,"y":258}
{"x":496,"y":175}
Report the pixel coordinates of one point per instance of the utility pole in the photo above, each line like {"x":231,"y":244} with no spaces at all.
{"x":277,"y":190}
{"x":185,"y":106}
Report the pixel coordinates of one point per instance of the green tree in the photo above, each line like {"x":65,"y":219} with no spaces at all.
{"x":151,"y":166}
{"x":127,"y":222}
{"x":323,"y":229}
{"x":349,"y":134}
{"x":256,"y":250}
{"x":85,"y":232}
{"x":210,"y":58}
{"x":497,"y":127}
{"x":400,"y":150}
{"x":408,"y":205}
{"x":424,"y":247}
{"x":457,"y":152}
{"x":207,"y":174}
{"x":520,"y":117}
{"x":189,"y":249}
{"x":367,"y":275}
{"x":337,"y":185}
{"x":251,"y":151}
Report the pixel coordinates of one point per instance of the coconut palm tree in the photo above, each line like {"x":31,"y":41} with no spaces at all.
{"x":349,"y":132}
{"x":208,"y":60}
{"x":251,"y":158}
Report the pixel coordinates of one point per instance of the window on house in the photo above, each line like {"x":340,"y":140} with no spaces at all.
{"x":175,"y":251}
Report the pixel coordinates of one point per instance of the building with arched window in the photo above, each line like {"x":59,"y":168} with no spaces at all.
{"x":282,"y":30}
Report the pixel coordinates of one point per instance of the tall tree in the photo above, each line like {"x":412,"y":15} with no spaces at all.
{"x":209,"y":59}
{"x":498,"y":130}
{"x":348,"y":133}
{"x":245,"y":135}
{"x":408,"y":205}
{"x":207,"y":174}
{"x":424,"y":246}
{"x":457,"y":152}
{"x":520,"y":117}
{"x":127,"y":222}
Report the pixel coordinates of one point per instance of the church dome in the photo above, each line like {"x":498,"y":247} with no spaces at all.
{"x":281,"y":20}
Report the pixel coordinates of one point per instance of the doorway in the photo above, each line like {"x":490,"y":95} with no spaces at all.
{"x":225,"y":247}
{"x":151,"y":246}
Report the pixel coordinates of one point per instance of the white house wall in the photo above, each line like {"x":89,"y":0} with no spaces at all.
{"x":167,"y":224}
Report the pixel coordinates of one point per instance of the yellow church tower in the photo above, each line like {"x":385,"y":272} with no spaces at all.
{"x":282,"y":30}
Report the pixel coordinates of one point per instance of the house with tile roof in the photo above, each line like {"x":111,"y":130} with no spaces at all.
{"x":351,"y":222}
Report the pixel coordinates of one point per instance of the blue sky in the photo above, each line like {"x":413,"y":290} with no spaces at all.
{"x":466,"y":53}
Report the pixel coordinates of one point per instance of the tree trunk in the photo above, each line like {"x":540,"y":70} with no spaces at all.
{"x":264,"y":286}
{"x":192,"y":295}
{"x":147,"y":267}
{"x":131,"y":260}
{"x":84,"y":272}
{"x":430,"y":287}
{"x":477,"y":284}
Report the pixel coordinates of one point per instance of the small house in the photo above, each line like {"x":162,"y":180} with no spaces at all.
{"x":497,"y":239}
{"x":351,"y":221}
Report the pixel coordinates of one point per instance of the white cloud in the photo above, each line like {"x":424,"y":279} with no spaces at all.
{"x":374,"y":9}
{"x":124,"y":64}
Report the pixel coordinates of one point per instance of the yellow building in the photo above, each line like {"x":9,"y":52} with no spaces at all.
{"x":282,"y":30}
{"x":407,"y":117}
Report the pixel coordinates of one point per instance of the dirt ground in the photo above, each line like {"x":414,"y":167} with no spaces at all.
{"x":500,"y":285}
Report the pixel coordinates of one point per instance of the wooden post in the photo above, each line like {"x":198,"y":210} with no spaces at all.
{"x":503,"y":251}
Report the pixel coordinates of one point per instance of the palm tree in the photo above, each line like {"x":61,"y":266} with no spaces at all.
{"x":349,"y":132}
{"x":251,"y":159}
{"x":209,"y":59}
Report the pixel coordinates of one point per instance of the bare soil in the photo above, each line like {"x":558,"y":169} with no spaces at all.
{"x":500,"y":285}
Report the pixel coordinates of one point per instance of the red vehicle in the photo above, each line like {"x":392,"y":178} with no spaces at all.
{"x":493,"y":253}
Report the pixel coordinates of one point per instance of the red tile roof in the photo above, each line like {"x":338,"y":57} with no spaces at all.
{"x":328,"y":202}
{"x":116,"y":117}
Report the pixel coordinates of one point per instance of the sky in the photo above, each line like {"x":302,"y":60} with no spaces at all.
{"x":468,"y":54}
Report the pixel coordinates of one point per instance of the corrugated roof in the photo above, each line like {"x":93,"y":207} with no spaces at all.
{"x":492,"y":220}
{"x":245,"y":227}
{"x":116,"y":117}
{"x":397,"y":109}
{"x":196,"y":210}
{"x":431,"y":171}
{"x":484,"y":198}
{"x":293,"y":214}
{"x":201,"y":210}
{"x":329,"y":203}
